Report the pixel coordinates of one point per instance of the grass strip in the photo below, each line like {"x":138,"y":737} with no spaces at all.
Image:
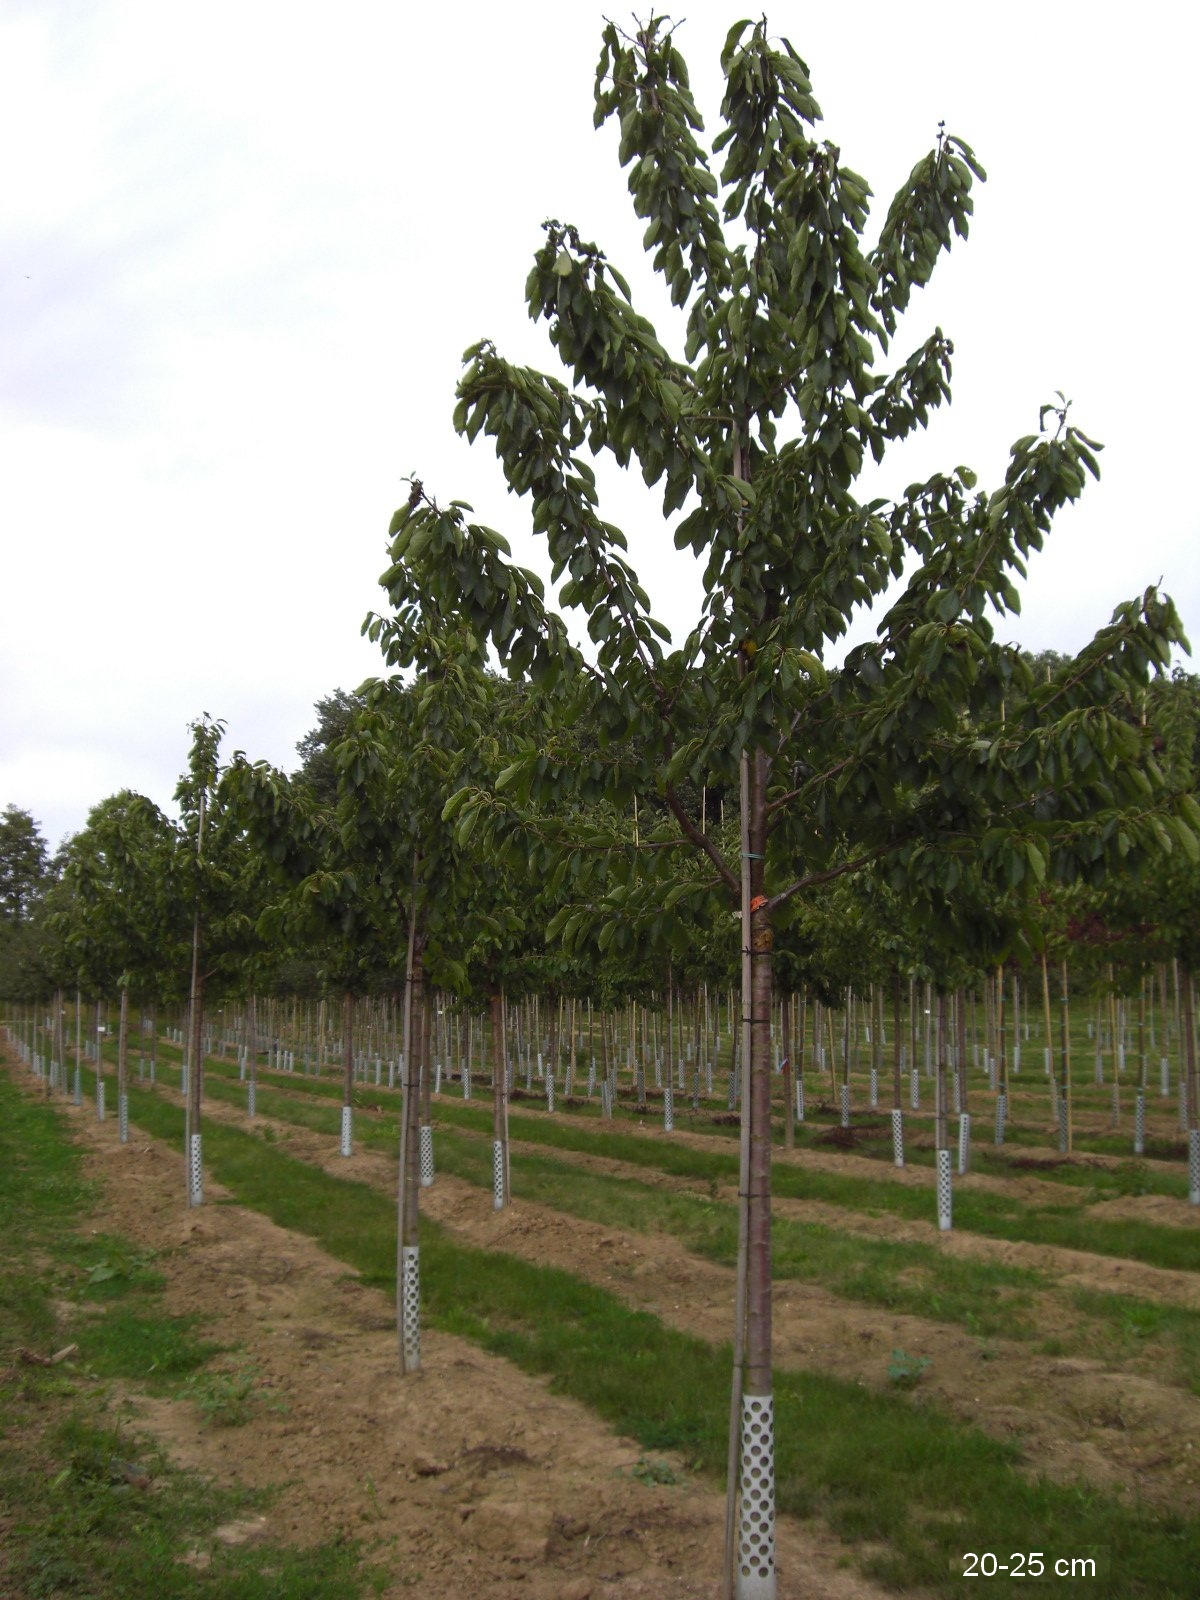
{"x":987,"y":1299}
{"x":915,"y":1486}
{"x":975,"y":1211}
{"x":88,"y":1508}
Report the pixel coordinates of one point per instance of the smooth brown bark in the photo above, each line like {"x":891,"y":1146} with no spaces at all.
{"x":123,"y":1046}
{"x":758,"y":1102}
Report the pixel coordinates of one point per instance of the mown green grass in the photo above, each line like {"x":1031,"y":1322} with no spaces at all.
{"x":914,"y":1487}
{"x":975,"y":1211}
{"x":987,"y":1299}
{"x":87,"y":1507}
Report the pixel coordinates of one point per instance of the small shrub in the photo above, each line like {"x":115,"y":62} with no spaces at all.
{"x":906,"y":1371}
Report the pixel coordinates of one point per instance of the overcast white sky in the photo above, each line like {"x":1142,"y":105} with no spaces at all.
{"x":243,"y":246}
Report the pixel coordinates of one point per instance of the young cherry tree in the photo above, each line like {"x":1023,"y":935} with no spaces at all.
{"x":756,"y":426}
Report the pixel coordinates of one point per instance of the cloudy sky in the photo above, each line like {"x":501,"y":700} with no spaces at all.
{"x":243,"y":246}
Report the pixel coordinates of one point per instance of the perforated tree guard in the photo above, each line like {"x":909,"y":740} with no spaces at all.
{"x":1164,"y":1070}
{"x":591,"y":1088}
{"x":498,"y":1184}
{"x":874,"y":1087}
{"x":251,"y":1099}
{"x":897,"y":1136}
{"x":123,"y":1118}
{"x":964,"y":1143}
{"x":799,"y":1099}
{"x":1194,"y":1166}
{"x":1139,"y":1123}
{"x":426,"y":1151}
{"x":1001,"y":1117}
{"x":347,"y":1130}
{"x":410,"y":1306}
{"x":943,"y":1190}
{"x":195,"y":1172}
{"x":1062,"y":1125}
{"x":549,"y":1091}
{"x":914,"y":1089}
{"x":668,"y":1108}
{"x":845,"y":1099}
{"x":756,"y":1525}
{"x":78,"y":1094}
{"x":733,"y":1091}
{"x":99,"y":1099}
{"x":1046,"y":1061}
{"x":466,"y":1080}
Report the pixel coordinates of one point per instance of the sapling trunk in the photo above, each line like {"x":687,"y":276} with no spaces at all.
{"x":60,"y":1041}
{"x":99,"y":1059}
{"x":789,"y":1099}
{"x":347,"y":1138}
{"x":427,"y":1056}
{"x":252,"y":1055}
{"x":1064,"y":1088}
{"x":500,"y":1180}
{"x":940,"y":1068}
{"x":123,"y":1064}
{"x":408,"y":1280}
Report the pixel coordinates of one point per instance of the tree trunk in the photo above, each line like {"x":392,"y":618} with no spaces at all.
{"x":123,"y":1066}
{"x":500,"y":1171}
{"x":252,"y":1054}
{"x":756,"y":1539}
{"x":785,"y":1044}
{"x":1068,"y":1138}
{"x":408,"y":1277}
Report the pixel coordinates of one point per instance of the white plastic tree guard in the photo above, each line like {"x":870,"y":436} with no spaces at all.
{"x":897,"y":1136}
{"x":756,"y":1524}
{"x":964,"y":1143}
{"x":195,"y":1172}
{"x":499,"y":1187}
{"x":410,"y":1306}
{"x":426,"y":1154}
{"x":944,"y":1190}
{"x":347,"y":1130}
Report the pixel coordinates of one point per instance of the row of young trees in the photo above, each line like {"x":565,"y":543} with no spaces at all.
{"x":636,"y":801}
